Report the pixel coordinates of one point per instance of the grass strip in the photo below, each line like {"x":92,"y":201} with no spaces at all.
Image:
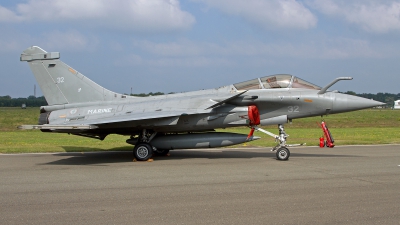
{"x":371,"y":126}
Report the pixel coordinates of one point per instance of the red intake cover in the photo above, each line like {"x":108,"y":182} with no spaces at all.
{"x":254,"y":115}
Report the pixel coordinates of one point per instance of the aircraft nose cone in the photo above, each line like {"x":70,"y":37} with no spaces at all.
{"x":347,"y":103}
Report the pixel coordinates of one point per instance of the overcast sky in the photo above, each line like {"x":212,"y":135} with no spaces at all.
{"x":179,"y":46}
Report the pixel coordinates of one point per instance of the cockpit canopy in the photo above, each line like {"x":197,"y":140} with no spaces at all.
{"x":276,"y":81}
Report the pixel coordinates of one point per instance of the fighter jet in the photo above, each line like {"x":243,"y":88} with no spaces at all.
{"x":158,"y":124}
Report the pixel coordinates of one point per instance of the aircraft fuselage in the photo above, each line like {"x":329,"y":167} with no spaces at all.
{"x":275,"y":107}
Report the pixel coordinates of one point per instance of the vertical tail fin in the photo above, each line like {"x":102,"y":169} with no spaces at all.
{"x":60,"y":83}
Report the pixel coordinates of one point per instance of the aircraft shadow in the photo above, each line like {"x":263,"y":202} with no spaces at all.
{"x":228,"y":154}
{"x":121,"y":155}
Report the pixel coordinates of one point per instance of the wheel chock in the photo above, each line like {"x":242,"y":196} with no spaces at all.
{"x":149,"y":160}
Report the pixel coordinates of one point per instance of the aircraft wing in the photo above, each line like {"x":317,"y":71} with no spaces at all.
{"x":57,"y":127}
{"x":157,"y":117}
{"x":153,"y":118}
{"x":160,"y":118}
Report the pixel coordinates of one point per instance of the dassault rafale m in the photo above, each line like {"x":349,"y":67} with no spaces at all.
{"x":158,"y":124}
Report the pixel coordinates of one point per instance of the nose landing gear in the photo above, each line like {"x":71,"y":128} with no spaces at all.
{"x":282,"y":152}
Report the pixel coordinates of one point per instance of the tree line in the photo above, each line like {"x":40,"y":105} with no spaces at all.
{"x":32,"y":101}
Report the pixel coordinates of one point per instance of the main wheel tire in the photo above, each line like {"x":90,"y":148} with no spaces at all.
{"x":282,"y":154}
{"x":142,"y":152}
{"x":162,"y":152}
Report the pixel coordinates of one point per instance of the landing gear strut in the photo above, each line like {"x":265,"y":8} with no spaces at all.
{"x":282,"y":152}
{"x":143,"y":151}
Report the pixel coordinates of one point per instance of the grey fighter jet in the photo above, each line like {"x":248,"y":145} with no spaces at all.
{"x":157,"y":124}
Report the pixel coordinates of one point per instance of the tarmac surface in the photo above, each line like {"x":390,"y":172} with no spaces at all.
{"x":343,"y":185}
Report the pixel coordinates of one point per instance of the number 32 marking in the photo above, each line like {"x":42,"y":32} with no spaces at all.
{"x":293,"y":108}
{"x":60,"y":80}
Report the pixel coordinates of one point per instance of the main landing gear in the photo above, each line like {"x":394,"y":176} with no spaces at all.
{"x":143,"y":150}
{"x":282,"y":152}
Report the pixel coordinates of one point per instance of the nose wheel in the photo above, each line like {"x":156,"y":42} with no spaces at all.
{"x":282,"y":154}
